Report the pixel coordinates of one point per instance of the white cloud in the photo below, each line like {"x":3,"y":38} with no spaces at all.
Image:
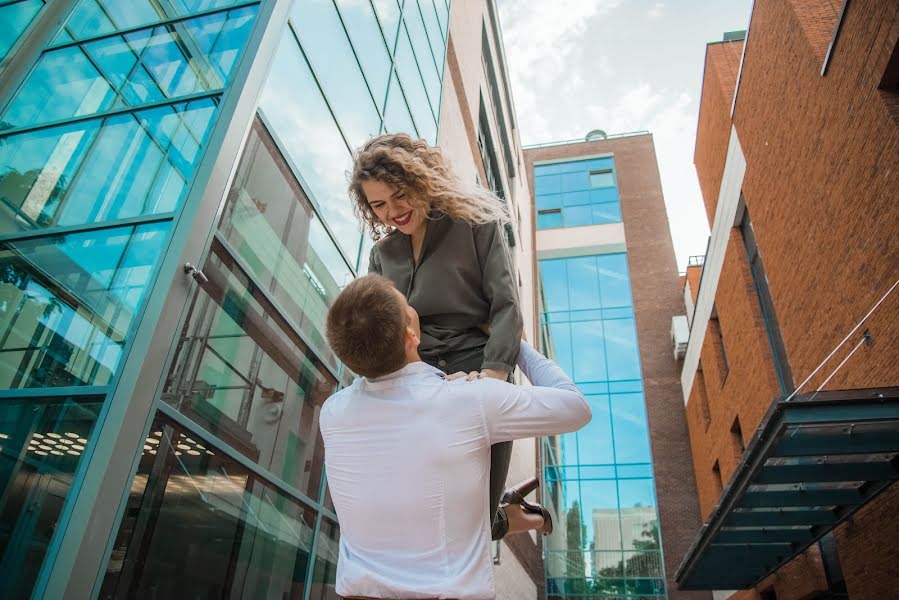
{"x":656,"y":11}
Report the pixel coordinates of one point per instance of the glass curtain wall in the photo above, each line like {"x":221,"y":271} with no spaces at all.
{"x":98,"y":147}
{"x":575,"y":193}
{"x":599,"y":480}
{"x":230,"y":499}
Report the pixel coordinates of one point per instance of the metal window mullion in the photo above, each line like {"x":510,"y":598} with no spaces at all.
{"x":424,"y":27}
{"x":164,"y":22}
{"x":313,"y":548}
{"x":359,"y":63}
{"x":418,"y":69}
{"x":109,"y":113}
{"x":50,"y":393}
{"x":87,"y":227}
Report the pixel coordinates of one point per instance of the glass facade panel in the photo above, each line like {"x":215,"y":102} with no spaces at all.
{"x":122,"y":166}
{"x":200,"y":525}
{"x":414,"y":88}
{"x":294,"y":108}
{"x":93,"y":18}
{"x":268,"y":222}
{"x":150,"y":65}
{"x":41,"y":442}
{"x":67,"y":303}
{"x":14,"y":20}
{"x":324,"y":574}
{"x":368,"y":41}
{"x":584,"y":190}
{"x":600,"y":478}
{"x":397,"y":118}
{"x":325,"y":43}
{"x":427,"y":66}
{"x":435,"y":35}
{"x":389,"y":17}
{"x":243,"y":374}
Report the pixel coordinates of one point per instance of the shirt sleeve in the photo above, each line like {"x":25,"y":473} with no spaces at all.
{"x":551,"y":406}
{"x":374,"y":260}
{"x":501,"y":291}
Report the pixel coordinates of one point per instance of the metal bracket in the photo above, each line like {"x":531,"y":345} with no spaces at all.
{"x":196,"y":273}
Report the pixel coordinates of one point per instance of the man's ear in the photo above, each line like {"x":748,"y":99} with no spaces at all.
{"x":410,"y":337}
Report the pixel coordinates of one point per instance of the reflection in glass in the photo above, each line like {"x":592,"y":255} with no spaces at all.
{"x":414,"y":88}
{"x":67,"y":303}
{"x":14,"y":20}
{"x":292,"y":103}
{"x":245,"y":376}
{"x":389,"y":17}
{"x":397,"y":118}
{"x":325,"y":44}
{"x":270,"y":224}
{"x":324,"y":575}
{"x":121,"y":166}
{"x":584,"y":190}
{"x":140,"y":67}
{"x":435,"y":35}
{"x":199,"y":525}
{"x":426,"y":66}
{"x":41,"y":443}
{"x":365,"y":34}
{"x":99,"y":17}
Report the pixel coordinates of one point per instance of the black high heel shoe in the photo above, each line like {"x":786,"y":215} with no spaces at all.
{"x":516,"y":494}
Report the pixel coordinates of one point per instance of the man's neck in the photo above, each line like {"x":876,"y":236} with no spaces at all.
{"x":412,"y":358}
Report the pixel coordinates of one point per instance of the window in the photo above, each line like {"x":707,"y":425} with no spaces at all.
{"x":576,"y":193}
{"x":736,"y":437}
{"x":716,"y":480}
{"x":718,"y":345}
{"x":15,"y":18}
{"x":602,"y":179}
{"x":703,"y":397}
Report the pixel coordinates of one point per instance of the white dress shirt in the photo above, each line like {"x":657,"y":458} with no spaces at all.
{"x":407,"y":458}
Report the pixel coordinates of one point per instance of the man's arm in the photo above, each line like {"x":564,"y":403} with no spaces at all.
{"x":552,"y":405}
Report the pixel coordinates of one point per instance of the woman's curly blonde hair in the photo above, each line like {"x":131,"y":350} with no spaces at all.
{"x":420,"y":170}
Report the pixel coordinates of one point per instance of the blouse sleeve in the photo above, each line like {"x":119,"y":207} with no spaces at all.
{"x":501,"y":291}
{"x":374,"y":260}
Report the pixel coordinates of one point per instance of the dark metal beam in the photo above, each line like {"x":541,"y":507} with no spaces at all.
{"x":826,"y":473}
{"x":807,"y":442}
{"x":780,"y":518}
{"x":763,"y":536}
{"x":777,"y":499}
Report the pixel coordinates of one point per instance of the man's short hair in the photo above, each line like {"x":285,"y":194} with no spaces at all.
{"x":366,"y":327}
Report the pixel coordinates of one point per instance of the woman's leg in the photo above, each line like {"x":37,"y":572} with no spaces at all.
{"x":500,"y":454}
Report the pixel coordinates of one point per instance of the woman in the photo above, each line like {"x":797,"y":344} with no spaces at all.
{"x":442,"y":244}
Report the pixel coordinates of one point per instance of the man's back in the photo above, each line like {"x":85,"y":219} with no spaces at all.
{"x":407,"y":459}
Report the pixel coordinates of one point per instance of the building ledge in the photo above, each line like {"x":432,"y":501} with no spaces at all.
{"x":813,"y":461}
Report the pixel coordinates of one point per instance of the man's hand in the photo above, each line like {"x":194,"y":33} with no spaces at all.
{"x":460,"y":374}
{"x":494,"y":374}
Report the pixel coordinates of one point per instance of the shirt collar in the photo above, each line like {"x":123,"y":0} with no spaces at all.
{"x":415,"y":369}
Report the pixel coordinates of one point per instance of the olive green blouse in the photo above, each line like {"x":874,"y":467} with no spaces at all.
{"x":464,"y":278}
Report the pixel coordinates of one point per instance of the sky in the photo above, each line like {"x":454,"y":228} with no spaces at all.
{"x":620,"y":65}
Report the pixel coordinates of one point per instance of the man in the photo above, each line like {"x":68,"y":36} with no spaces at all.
{"x":407,"y":452}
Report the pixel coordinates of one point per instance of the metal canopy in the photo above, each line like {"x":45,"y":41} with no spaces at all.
{"x":812,"y":462}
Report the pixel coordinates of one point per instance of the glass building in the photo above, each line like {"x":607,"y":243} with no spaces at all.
{"x":599,"y":481}
{"x":173,"y":226}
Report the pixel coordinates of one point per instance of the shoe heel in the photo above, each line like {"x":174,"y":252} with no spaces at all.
{"x":516,"y":493}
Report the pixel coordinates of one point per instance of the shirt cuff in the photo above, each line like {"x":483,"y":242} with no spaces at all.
{"x":497,"y":366}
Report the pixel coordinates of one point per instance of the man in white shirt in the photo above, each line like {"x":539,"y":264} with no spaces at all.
{"x":407,"y":452}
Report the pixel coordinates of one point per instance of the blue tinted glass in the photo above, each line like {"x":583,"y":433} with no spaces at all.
{"x":599,"y":164}
{"x":14,"y":20}
{"x":595,"y":439}
{"x":600,"y":515}
{"x":547,"y":184}
{"x":364,"y":32}
{"x":118,"y":167}
{"x":397,"y":118}
{"x":441,"y":12}
{"x":634,"y":385}
{"x":546,"y":201}
{"x":606,"y":213}
{"x":594,"y":388}
{"x":614,"y":281}
{"x":572,"y":182}
{"x":583,"y":283}
{"x":414,"y":88}
{"x":292,"y":103}
{"x":331,"y":56}
{"x":590,"y":358}
{"x":639,"y":470}
{"x":389,"y":17}
{"x":621,"y":346}
{"x":554,"y":284}
{"x":576,"y":198}
{"x":41,"y":443}
{"x":98,"y":17}
{"x":616,"y":313}
{"x":576,"y":216}
{"x":604,"y":195}
{"x":435,"y":37}
{"x":69,"y":303}
{"x":631,"y":428}
{"x":602,"y":179}
{"x":145,"y":66}
{"x":560,"y":335}
{"x":549,"y":220}
{"x":638,"y":493}
{"x":426,"y":65}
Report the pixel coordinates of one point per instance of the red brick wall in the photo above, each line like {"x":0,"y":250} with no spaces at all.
{"x":822,"y":157}
{"x":722,"y":61}
{"x":657,"y":298}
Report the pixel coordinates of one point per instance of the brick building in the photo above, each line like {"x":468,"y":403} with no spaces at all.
{"x":797,"y":153}
{"x":622,"y":488}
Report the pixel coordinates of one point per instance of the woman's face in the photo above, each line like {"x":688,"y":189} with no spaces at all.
{"x":390,"y":206}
